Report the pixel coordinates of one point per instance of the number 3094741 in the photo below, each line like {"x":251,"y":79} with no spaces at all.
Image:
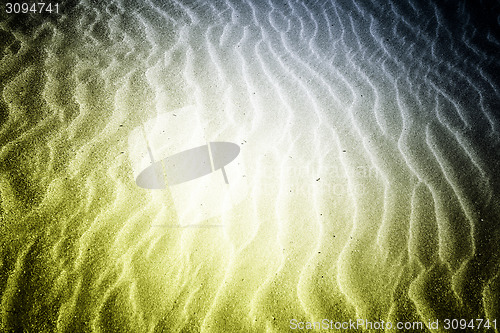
{"x":25,"y":8}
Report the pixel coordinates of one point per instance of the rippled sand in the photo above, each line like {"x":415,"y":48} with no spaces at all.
{"x":369,"y":132}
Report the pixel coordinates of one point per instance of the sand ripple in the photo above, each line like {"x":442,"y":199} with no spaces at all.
{"x":371,"y":142}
